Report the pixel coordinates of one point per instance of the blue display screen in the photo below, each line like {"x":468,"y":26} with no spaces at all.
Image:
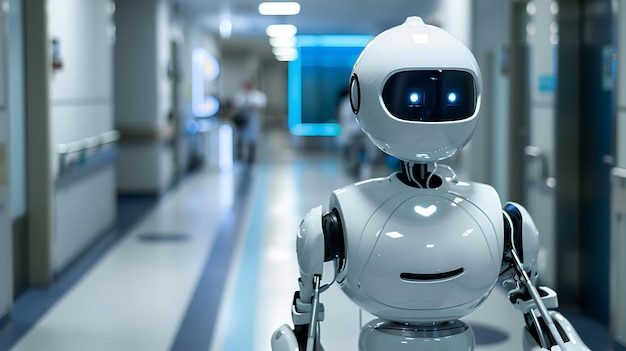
{"x":317,"y":78}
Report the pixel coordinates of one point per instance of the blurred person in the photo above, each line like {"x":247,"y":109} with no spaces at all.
{"x":248,"y":104}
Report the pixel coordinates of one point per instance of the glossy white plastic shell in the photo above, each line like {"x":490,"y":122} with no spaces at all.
{"x":411,"y":46}
{"x":391,"y":229}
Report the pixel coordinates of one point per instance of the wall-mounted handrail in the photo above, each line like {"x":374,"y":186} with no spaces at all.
{"x":89,"y":142}
{"x":79,"y":156}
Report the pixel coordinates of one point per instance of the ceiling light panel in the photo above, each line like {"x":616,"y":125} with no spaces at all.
{"x":283,"y":41}
{"x":281,"y":30}
{"x":279,"y":8}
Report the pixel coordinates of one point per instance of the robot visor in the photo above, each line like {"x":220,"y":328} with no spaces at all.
{"x":430,"y":96}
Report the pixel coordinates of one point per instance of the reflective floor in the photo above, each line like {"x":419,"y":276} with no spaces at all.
{"x":212,"y":266}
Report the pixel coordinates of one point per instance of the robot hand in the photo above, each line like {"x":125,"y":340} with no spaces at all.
{"x":546,"y":330}
{"x":306,"y":318}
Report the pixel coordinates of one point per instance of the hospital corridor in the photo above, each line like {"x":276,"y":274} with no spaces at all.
{"x":163,"y":164}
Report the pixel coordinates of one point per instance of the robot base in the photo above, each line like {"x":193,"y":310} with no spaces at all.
{"x":379,"y":334}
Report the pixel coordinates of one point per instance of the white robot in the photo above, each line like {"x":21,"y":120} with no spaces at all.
{"x":417,"y":249}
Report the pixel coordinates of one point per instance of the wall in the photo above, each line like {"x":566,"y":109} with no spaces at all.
{"x":81,"y":106}
{"x":489,"y":40}
{"x":6,"y":270}
{"x":455,"y":16}
{"x":236,"y":70}
{"x":273,"y":82}
{"x":143,"y":97}
{"x":18,"y":143}
{"x":16,"y":97}
{"x":539,"y":198}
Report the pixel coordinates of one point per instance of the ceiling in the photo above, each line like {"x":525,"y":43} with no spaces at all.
{"x":315,"y":17}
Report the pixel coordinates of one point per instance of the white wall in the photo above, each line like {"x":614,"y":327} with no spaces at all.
{"x":163,"y":59}
{"x":81,"y":106}
{"x":17,"y":116}
{"x":273,"y":81}
{"x":485,"y":158}
{"x":143,"y":92}
{"x":236,"y":70}
{"x":540,"y":200}
{"x":135,"y":69}
{"x":455,"y":16}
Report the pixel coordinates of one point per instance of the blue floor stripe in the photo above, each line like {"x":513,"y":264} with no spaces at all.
{"x":243,"y":311}
{"x":198,"y":325}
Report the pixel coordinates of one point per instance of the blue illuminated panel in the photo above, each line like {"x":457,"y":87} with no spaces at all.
{"x":316,"y":79}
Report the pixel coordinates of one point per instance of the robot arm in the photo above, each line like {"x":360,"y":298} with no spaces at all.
{"x":310,"y":250}
{"x":546,"y":330}
{"x":319,"y":240}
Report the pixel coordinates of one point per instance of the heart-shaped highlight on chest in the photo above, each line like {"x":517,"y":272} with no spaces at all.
{"x":425,"y":211}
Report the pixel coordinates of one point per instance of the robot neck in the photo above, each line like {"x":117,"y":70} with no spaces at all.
{"x":418,"y":176}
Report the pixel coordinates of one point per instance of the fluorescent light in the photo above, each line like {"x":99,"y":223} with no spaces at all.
{"x":281,"y":30}
{"x":279,"y":8}
{"x":287,"y":57}
{"x":283,"y":41}
{"x":284,"y":51}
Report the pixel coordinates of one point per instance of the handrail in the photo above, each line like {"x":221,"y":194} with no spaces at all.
{"x":81,"y":155}
{"x":89,"y":142}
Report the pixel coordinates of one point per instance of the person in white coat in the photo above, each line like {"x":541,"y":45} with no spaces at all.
{"x":248,"y":103}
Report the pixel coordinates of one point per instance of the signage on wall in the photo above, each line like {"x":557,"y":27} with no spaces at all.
{"x":204,"y":71}
{"x":320,"y":71}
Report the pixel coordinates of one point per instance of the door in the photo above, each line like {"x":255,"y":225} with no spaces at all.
{"x":598,"y":111}
{"x":538,"y":192}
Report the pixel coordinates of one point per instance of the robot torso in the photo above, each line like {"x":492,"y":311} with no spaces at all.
{"x":418,"y":255}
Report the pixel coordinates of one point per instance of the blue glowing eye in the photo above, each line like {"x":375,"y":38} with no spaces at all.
{"x":452,"y":97}
{"x":414,"y":97}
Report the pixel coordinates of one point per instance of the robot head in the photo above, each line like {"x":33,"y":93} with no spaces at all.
{"x":416,"y":92}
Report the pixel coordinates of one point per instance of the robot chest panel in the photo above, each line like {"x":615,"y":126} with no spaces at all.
{"x":431,"y":231}
{"x":424,"y":245}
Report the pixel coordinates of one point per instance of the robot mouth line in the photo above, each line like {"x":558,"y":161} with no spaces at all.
{"x":413,"y":277}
